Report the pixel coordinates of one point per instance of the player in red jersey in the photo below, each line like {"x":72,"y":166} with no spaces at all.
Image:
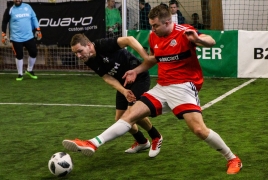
{"x":179,"y":80}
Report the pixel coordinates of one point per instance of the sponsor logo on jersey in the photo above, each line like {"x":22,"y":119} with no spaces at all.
{"x":175,"y":57}
{"x":22,"y":15}
{"x":113,"y":71}
{"x":169,"y":58}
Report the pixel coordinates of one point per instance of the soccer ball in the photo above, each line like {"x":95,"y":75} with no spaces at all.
{"x":60,"y":164}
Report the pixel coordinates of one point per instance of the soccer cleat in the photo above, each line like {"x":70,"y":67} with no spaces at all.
{"x":19,"y":78}
{"x":31,"y":74}
{"x":86,"y":147}
{"x":155,"y":147}
{"x":136,"y":147}
{"x":234,"y":165}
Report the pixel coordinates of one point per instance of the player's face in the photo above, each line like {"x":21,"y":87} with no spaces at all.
{"x":173,"y":8}
{"x":195,"y":19}
{"x":17,"y":2}
{"x":111,"y":3}
{"x":84,"y":52}
{"x":160,"y":28}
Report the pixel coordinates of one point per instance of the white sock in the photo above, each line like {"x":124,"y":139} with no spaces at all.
{"x":31,"y":62}
{"x":216,"y":142}
{"x":117,"y":129}
{"x":19,"y":64}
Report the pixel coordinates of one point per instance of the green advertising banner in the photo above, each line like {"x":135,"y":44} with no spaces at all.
{"x":217,"y":61}
{"x":221,"y":59}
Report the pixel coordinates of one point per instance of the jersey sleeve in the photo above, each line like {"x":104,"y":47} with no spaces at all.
{"x":34,"y":20}
{"x":151,"y":44}
{"x":188,"y":26}
{"x":5,"y":20}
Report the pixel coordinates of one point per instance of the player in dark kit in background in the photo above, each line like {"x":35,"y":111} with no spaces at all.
{"x":22,"y":21}
{"x":179,"y":80}
{"x":109,"y":59}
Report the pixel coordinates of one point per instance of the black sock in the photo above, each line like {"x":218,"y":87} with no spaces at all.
{"x":153,"y":133}
{"x":140,"y":137}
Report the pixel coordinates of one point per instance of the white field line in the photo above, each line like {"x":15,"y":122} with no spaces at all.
{"x":112,"y":106}
{"x":52,"y":74}
{"x":42,"y":104}
{"x":226,"y":94}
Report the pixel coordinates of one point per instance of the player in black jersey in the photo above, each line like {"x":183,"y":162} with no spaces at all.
{"x":110,"y":60}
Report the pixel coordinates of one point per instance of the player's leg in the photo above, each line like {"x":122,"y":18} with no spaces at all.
{"x":30,"y":45}
{"x":141,"y":143}
{"x":141,"y":85}
{"x":17,"y":48}
{"x":122,"y":126}
{"x":186,"y":105}
{"x":195,"y":122}
{"x":148,"y":105}
{"x":156,"y":137}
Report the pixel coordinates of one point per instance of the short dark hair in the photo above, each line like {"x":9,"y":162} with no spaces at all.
{"x":174,"y":2}
{"x":79,"y":38}
{"x":142,"y":1}
{"x":195,"y":14}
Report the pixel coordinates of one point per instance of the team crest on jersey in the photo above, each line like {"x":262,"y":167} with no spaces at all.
{"x":26,"y":9}
{"x":173,"y":43}
{"x":106,"y":60}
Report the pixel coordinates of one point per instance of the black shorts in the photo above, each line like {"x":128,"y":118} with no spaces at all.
{"x":30,"y":45}
{"x":141,"y":85}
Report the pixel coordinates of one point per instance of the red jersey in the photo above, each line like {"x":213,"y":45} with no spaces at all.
{"x":176,"y":58}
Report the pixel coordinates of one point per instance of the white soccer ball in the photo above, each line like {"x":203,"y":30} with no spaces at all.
{"x":60,"y":164}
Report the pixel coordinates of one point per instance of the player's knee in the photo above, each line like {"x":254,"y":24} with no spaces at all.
{"x":200,"y":132}
{"x":19,"y":56}
{"x":33,"y":55}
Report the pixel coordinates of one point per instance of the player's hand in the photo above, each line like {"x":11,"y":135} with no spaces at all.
{"x":38,"y":34}
{"x":129,"y":95}
{"x":130,"y":77}
{"x":191,"y":35}
{"x":5,"y":40}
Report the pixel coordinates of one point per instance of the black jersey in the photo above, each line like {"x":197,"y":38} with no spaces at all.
{"x":112,"y":59}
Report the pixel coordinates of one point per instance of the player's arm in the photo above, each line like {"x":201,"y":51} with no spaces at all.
{"x":35,"y":23}
{"x":116,"y":85}
{"x":205,"y":40}
{"x":145,"y":65}
{"x":134,"y":44}
{"x":199,"y":40}
{"x":34,"y":19}
{"x":130,"y":76}
{"x":5,"y":21}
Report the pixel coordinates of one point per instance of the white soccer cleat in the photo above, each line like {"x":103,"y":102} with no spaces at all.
{"x":155,"y":147}
{"x":136,"y":147}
